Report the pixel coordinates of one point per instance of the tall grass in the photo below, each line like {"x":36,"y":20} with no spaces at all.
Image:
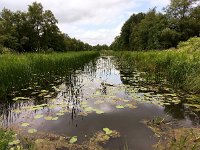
{"x":18,"y":69}
{"x":180,"y":67}
{"x":5,"y":138}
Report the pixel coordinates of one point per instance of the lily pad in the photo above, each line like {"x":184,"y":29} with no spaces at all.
{"x":31,"y":131}
{"x":25,"y":124}
{"x":20,"y":98}
{"x":59,"y":114}
{"x":107,"y":131}
{"x":88,"y":109}
{"x":73,"y":140}
{"x":99,"y":112}
{"x":44,"y":91}
{"x":131,"y":106}
{"x":14,"y":142}
{"x":56,"y":118}
{"x":120,"y":107}
{"x":47,"y":96}
{"x":48,"y":118}
{"x":38,"y":116}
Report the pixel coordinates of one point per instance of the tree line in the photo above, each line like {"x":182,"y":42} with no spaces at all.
{"x":36,"y":30}
{"x":179,"y":21}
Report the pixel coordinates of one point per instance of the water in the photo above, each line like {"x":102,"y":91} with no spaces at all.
{"x":85,"y":101}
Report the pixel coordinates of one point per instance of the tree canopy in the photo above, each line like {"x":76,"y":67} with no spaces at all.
{"x":152,"y":30}
{"x":35,"y":30}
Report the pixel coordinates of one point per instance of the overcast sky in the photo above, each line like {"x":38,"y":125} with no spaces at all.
{"x":92,"y":21}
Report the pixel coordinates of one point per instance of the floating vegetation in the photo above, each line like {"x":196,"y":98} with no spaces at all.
{"x":55,"y":118}
{"x":73,"y":140}
{"x":48,"y":118}
{"x":20,"y":98}
{"x":107,"y":131}
{"x":131,"y":106}
{"x":60,"y":114}
{"x":102,"y":137}
{"x":99,"y":112}
{"x":31,"y":131}
{"x":38,"y":116}
{"x":25,"y":124}
{"x":120,"y":107}
{"x":83,"y":97}
{"x":13,"y":143}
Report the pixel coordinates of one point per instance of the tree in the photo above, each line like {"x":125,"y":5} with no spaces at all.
{"x":180,"y":19}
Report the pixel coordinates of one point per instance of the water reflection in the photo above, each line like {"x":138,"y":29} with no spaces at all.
{"x":83,"y":101}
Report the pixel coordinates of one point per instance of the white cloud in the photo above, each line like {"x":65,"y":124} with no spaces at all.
{"x":93,"y":21}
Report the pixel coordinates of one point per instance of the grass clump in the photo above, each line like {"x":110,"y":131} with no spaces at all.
{"x":180,"y":139}
{"x":16,"y":70}
{"x":5,"y":138}
{"x":180,"y":67}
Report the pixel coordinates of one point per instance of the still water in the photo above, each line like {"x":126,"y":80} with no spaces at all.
{"x":102,"y":94}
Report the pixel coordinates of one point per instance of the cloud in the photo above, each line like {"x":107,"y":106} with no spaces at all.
{"x":93,"y":21}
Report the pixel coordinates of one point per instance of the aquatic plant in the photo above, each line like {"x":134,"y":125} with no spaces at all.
{"x":18,"y":70}
{"x":180,"y":67}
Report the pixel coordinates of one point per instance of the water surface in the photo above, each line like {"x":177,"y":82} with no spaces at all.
{"x":86,"y":100}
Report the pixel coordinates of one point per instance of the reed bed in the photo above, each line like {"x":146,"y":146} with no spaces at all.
{"x":180,"y":67}
{"x":18,"y":69}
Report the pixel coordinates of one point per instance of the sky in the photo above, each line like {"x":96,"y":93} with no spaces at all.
{"x":92,"y":21}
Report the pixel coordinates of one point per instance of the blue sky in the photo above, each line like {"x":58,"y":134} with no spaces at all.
{"x":92,"y":21}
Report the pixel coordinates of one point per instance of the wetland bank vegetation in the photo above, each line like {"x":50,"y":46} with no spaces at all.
{"x":141,"y":92}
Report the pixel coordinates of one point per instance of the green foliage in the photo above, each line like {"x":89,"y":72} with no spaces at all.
{"x":179,"y":67}
{"x":17,"y":69}
{"x":35,"y":30}
{"x":5,"y":138}
{"x":160,"y":30}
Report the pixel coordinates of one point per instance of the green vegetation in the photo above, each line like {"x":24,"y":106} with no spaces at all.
{"x":179,"y":67}
{"x":152,"y":30}
{"x":5,"y":138}
{"x":18,"y":70}
{"x":36,"y":30}
{"x":175,"y":139}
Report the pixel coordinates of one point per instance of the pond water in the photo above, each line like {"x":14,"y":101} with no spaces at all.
{"x":102,"y":94}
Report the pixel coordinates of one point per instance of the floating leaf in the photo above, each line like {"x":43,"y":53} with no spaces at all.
{"x":59,"y":114}
{"x":130,"y":106}
{"x":107,"y":130}
{"x":88,"y":109}
{"x":119,"y":106}
{"x":47,"y":96}
{"x":44,"y":91}
{"x":126,"y":101}
{"x":42,"y":94}
{"x":20,"y":98}
{"x":14,"y":142}
{"x":99,"y":111}
{"x":38,"y":116}
{"x":25,"y":124}
{"x":73,"y":140}
{"x":56,"y":118}
{"x":48,"y":118}
{"x":31,"y":131}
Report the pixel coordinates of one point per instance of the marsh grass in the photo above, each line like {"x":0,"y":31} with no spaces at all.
{"x":180,"y":67}
{"x":180,"y":139}
{"x":5,"y":138}
{"x":16,"y":70}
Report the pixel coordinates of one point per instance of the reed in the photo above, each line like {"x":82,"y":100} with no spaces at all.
{"x":16,"y":70}
{"x":180,"y":67}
